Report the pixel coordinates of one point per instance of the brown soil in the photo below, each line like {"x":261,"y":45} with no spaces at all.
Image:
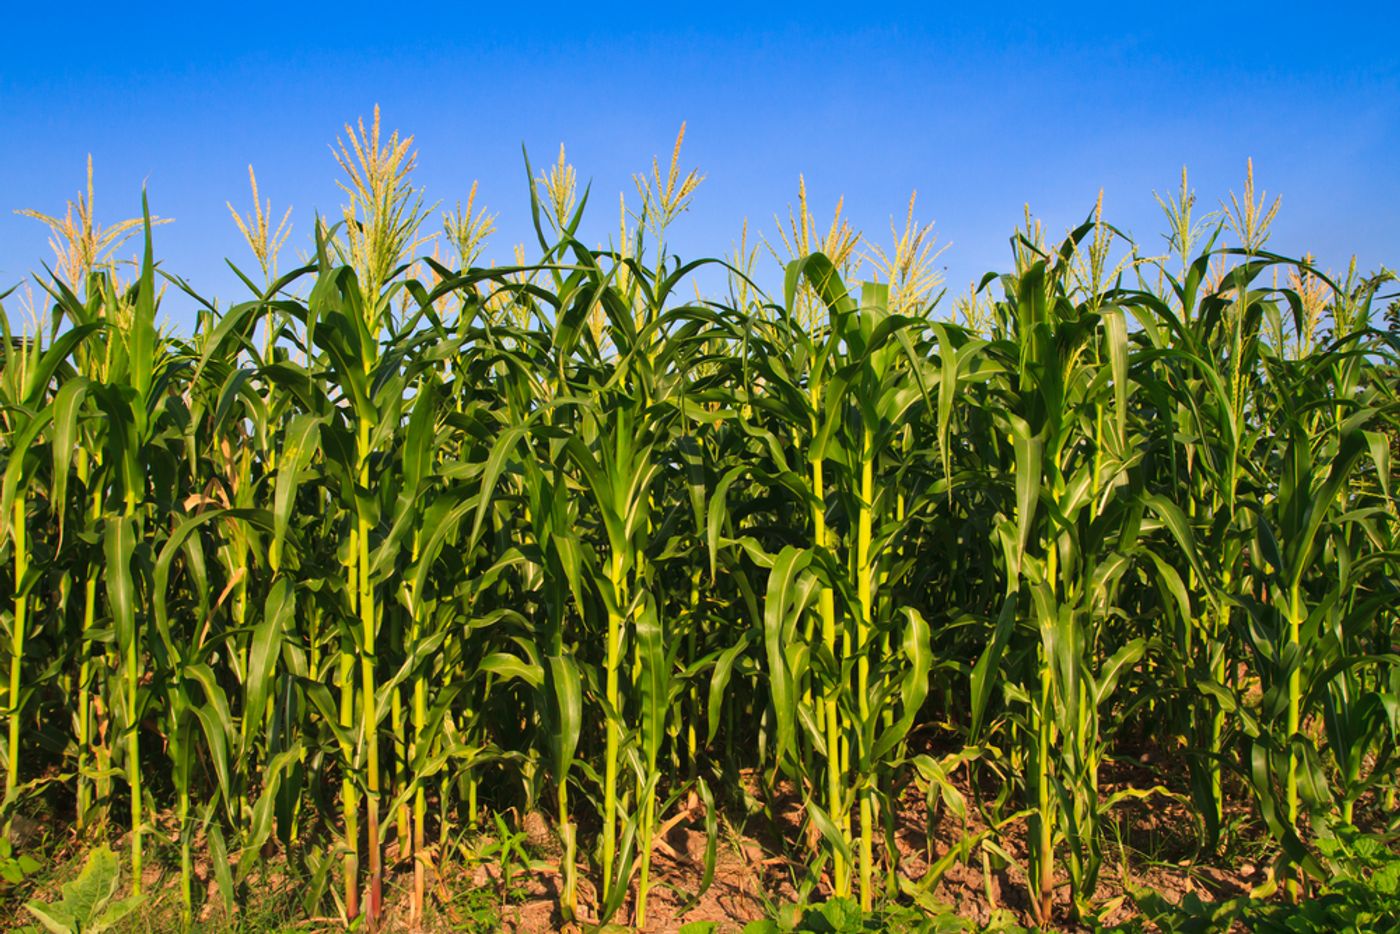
{"x":755,"y":868}
{"x":762,"y":854}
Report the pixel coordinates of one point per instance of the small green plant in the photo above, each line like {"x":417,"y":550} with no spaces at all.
{"x":478,"y":911}
{"x":14,"y":869}
{"x":508,"y":850}
{"x":1362,"y":895}
{"x":844,"y":916}
{"x":89,"y":904}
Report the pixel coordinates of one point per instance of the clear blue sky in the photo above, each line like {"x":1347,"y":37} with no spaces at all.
{"x":981,"y":113}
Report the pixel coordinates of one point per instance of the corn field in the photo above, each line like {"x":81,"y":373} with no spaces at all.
{"x":403,"y":546}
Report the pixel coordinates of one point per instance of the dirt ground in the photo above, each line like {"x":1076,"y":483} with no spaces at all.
{"x":761,"y":856}
{"x":753,"y":873}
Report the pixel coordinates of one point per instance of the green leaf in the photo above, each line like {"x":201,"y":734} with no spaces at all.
{"x":86,"y":906}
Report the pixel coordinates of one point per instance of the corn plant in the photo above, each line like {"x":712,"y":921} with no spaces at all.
{"x":402,"y":551}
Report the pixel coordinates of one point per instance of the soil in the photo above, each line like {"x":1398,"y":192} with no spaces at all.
{"x":756,"y":865}
{"x":762,"y":854}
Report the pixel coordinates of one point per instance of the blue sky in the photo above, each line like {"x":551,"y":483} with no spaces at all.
{"x":981,"y":114}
